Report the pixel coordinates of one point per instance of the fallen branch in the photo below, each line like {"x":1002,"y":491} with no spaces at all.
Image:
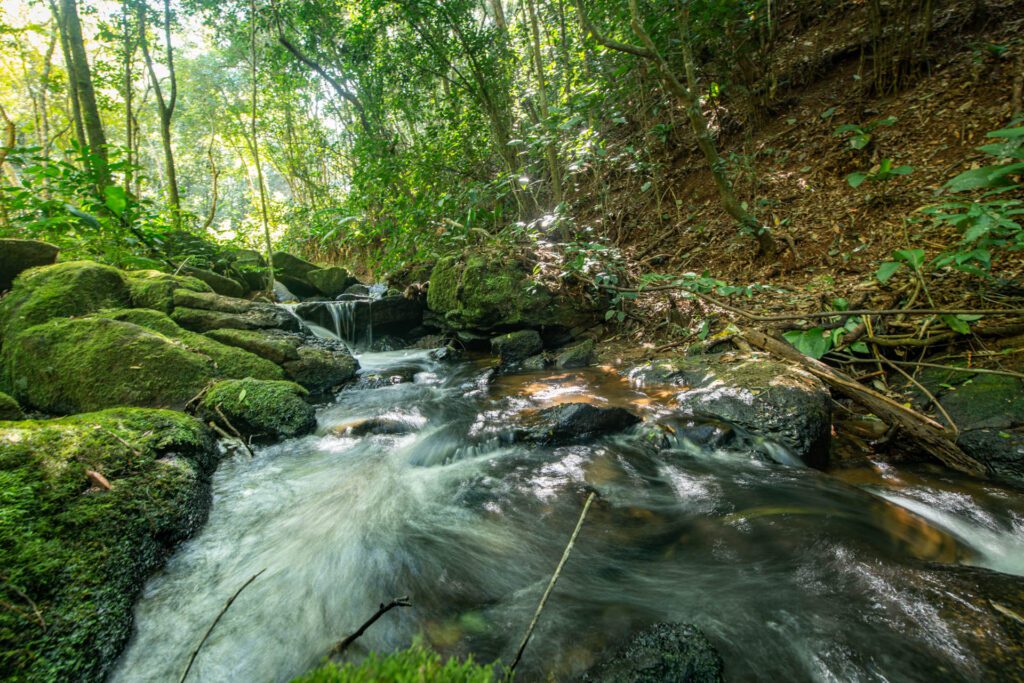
{"x":195,"y":653}
{"x":551,"y":583}
{"x":381,"y":611}
{"x":929,"y":434}
{"x":237,"y":433}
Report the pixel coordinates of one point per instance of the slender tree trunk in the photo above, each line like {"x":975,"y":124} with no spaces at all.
{"x":551,"y":149}
{"x":256,"y":149}
{"x":165,"y":105}
{"x":86,"y":95}
{"x":129,"y":53}
{"x":76,"y":108}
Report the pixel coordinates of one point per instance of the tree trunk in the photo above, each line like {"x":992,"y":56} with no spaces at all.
{"x":256,"y":149}
{"x":551,"y":149}
{"x":86,"y":95}
{"x":165,"y":106}
{"x":76,"y":109}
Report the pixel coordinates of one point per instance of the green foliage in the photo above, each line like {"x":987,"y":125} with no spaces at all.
{"x":990,"y":222}
{"x":414,"y":665}
{"x":860,"y":136}
{"x":913,"y":258}
{"x":884,"y":171}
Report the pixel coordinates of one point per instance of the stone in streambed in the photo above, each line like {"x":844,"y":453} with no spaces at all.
{"x":579,"y":355}
{"x":322,"y":368}
{"x":259,"y":407}
{"x":662,"y":653}
{"x":515,"y":347}
{"x":574,"y":421}
{"x":763,"y":397}
{"x":80,"y":554}
{"x":17,"y":256}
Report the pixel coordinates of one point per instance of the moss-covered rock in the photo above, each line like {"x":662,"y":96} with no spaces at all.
{"x":578,"y":355}
{"x":515,"y":347}
{"x":293,"y":273}
{"x":153,"y":289}
{"x":134,"y":357}
{"x":485,"y":291}
{"x":20,"y":255}
{"x":203,"y":312}
{"x":220,"y":284}
{"x":413,"y":664}
{"x":662,"y":653}
{"x":260,"y":407}
{"x":331,"y":281}
{"x":274,"y":345}
{"x":74,"y":554}
{"x":66,"y":289}
{"x":9,"y":408}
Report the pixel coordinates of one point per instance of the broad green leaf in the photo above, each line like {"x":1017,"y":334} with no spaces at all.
{"x":856,"y":179}
{"x":887,"y":270}
{"x":116,"y":198}
{"x":913,"y":257}
{"x":241,"y":395}
{"x":955,"y":324}
{"x":813,"y":342}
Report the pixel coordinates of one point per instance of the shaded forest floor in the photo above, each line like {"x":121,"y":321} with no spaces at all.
{"x":793,"y":167}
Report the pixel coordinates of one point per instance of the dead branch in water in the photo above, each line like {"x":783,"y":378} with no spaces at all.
{"x":195,"y":653}
{"x":381,"y":611}
{"x":551,"y":583}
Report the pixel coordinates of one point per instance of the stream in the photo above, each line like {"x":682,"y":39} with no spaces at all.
{"x":793,"y":574}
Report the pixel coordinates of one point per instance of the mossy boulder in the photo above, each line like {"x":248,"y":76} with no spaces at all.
{"x":153,"y":289}
{"x":20,"y":255}
{"x":322,"y":368}
{"x":488,"y":291}
{"x":133,"y":357}
{"x":9,"y":408}
{"x":414,"y":664}
{"x":331,"y":281}
{"x":75,"y":554}
{"x":274,"y":345}
{"x":293,"y":273}
{"x":578,"y":355}
{"x":67,"y":289}
{"x":202,"y":312}
{"x":260,"y":407}
{"x":218,"y":283}
{"x":662,"y":653}
{"x":515,"y":347}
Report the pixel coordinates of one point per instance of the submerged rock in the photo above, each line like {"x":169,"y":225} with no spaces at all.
{"x":259,"y":407}
{"x":79,"y":553}
{"x":662,"y":653}
{"x":9,"y":408}
{"x":20,"y":255}
{"x":331,"y":281}
{"x":763,"y":397}
{"x":574,"y":421}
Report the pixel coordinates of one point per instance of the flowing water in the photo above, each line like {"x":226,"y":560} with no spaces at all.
{"x":794,"y":575}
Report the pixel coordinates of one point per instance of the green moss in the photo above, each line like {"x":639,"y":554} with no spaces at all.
{"x":278,"y":347}
{"x":414,"y":665}
{"x":9,"y":408}
{"x":260,"y":407}
{"x":135,"y":357}
{"x":443,"y":293}
{"x":153,"y":289}
{"x":73,"y":556}
{"x":226,"y":360}
{"x":59,"y":291}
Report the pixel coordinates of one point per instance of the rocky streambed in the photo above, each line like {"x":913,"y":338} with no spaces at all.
{"x":455,"y":477}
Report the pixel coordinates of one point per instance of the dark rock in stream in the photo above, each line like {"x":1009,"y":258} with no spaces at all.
{"x":763,"y":397}
{"x":515,"y":347}
{"x":571,"y":422}
{"x":578,"y":355}
{"x":293,"y":273}
{"x":662,"y":653}
{"x":331,"y":281}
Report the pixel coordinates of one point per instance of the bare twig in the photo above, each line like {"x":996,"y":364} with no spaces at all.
{"x":551,"y":583}
{"x":195,"y":653}
{"x":924,"y":390}
{"x":381,"y":611}
{"x":237,"y":433}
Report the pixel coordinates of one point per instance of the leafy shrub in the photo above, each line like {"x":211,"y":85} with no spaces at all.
{"x":883,"y":172}
{"x":414,"y":665}
{"x":861,"y":135}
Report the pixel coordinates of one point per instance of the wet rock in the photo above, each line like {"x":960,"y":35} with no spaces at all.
{"x":515,"y":347}
{"x":534,"y":363}
{"x":763,"y":397}
{"x":259,"y":408}
{"x":154,"y":289}
{"x":79,"y":553}
{"x":573,"y":421}
{"x":374,"y":425}
{"x":447,"y":354}
{"x":220,"y":284}
{"x":1001,"y":451}
{"x":331,"y":281}
{"x":20,"y":255}
{"x":293,"y":273}
{"x":130,"y":357}
{"x":662,"y":653}
{"x":487,"y":290}
{"x":367,"y":319}
{"x":358,"y":290}
{"x":322,"y":368}
{"x":9,"y":408}
{"x":203,"y":312}
{"x":578,"y":355}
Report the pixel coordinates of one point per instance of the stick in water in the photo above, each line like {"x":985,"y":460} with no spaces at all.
{"x":551,"y":583}
{"x":381,"y":611}
{"x":195,"y":653}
